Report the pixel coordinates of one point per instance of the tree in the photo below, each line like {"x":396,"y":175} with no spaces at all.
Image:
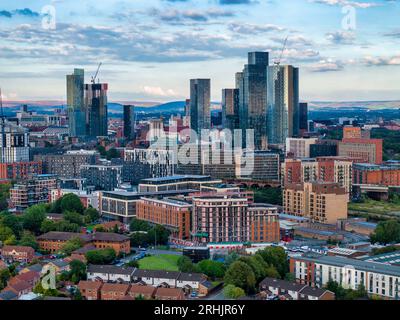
{"x":77,"y":271}
{"x":231,"y":258}
{"x":258,"y":265}
{"x":34,"y":217}
{"x":13,"y":222}
{"x":240,"y":275}
{"x":5,"y":233}
{"x":73,"y":217}
{"x":92,"y":213}
{"x":28,"y":240}
{"x":232,"y":292}
{"x":72,"y":245}
{"x":160,"y":234}
{"x":71,"y":202}
{"x":5,"y":275}
{"x":4,"y":195}
{"x":139,"y":239}
{"x":386,"y":232}
{"x":276,"y":257}
{"x":185,"y":264}
{"x":139,"y":225}
{"x":112,"y":154}
{"x":132,"y":264}
{"x":102,"y":256}
{"x":212,"y":269}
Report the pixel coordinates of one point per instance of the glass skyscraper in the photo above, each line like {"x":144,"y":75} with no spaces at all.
{"x":200,"y":96}
{"x":75,"y":103}
{"x":97,"y":111}
{"x":283,"y":103}
{"x":230,"y":109}
{"x":129,"y":122}
{"x":252,"y":85}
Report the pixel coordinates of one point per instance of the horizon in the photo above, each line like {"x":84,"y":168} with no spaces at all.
{"x":149,"y":54}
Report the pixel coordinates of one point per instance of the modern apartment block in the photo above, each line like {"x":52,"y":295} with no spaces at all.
{"x":377,"y":278}
{"x":264,"y":223}
{"x":369,"y":150}
{"x":299,"y":147}
{"x":97,"y":109}
{"x":20,"y":170}
{"x":283,"y":114}
{"x":102,"y":177}
{"x":170,"y":213}
{"x":76,"y":104}
{"x":33,"y":191}
{"x":322,"y":202}
{"x":14,"y":143}
{"x":68,"y":165}
{"x":129,"y":122}
{"x":200,"y":103}
{"x":387,"y":174}
{"x":326,"y":169}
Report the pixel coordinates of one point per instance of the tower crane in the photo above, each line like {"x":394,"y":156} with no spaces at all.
{"x":97,"y":73}
{"x":277,"y":63}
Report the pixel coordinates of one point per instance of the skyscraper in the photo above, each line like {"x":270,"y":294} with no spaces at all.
{"x":96,"y":106}
{"x":282,"y":103}
{"x":129,"y":122}
{"x":14,"y":143}
{"x":303,"y":114}
{"x":75,"y":103}
{"x":252,"y":84}
{"x":230,"y":109}
{"x":200,"y":96}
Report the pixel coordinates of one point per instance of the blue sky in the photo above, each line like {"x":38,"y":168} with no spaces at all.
{"x":151,"y":48}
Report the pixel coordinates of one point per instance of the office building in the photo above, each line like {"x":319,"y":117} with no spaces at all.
{"x":324,"y":148}
{"x":97,"y":109}
{"x":67,"y":165}
{"x":377,"y":278}
{"x":303,"y":120}
{"x":76,"y":104}
{"x":200,"y":103}
{"x":230,"y":109}
{"x":299,"y":147}
{"x":129,"y":122}
{"x":252,"y":85}
{"x":369,"y":150}
{"x":322,"y":202}
{"x":170,"y":213}
{"x":102,"y":177}
{"x":282,"y":103}
{"x":31,"y":192}
{"x":14,"y":143}
{"x":258,"y":166}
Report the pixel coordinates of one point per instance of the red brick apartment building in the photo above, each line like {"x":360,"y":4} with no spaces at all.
{"x":18,"y":253}
{"x":370,"y":150}
{"x":20,"y":170}
{"x":54,"y":241}
{"x":173,"y":214}
{"x":387,"y":174}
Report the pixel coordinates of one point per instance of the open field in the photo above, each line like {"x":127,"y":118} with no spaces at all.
{"x":375,"y":210}
{"x":160,"y":262}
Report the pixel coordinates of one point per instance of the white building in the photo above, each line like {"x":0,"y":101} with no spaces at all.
{"x":299,"y":147}
{"x":108,"y":273}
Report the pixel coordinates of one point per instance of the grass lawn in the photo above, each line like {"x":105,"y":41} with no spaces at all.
{"x":167,"y":262}
{"x":376,"y":209}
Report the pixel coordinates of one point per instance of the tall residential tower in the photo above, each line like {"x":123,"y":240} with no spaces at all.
{"x":200,"y":96}
{"x":75,"y":103}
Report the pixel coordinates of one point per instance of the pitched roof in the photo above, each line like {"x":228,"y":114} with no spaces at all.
{"x":26,"y":249}
{"x":8,"y":295}
{"x":59,"y":263}
{"x":159,"y":274}
{"x":281,"y":284}
{"x":29,"y":276}
{"x":191,"y":277}
{"x":92,"y":285}
{"x":108,"y":236}
{"x":19,"y":286}
{"x":115,"y":287}
{"x":144,"y":290}
{"x":63,"y":236}
{"x":169,"y":292}
{"x":109,"y":269}
{"x":314,"y":292}
{"x":36,"y":267}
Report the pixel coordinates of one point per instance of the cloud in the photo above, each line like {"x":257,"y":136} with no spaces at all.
{"x":341,"y":37}
{"x":19,"y":12}
{"x":327,"y":65}
{"x":248,"y":28}
{"x":158,"y":92}
{"x":174,"y":15}
{"x":342,"y":3}
{"x":235,"y":2}
{"x":381,"y":61}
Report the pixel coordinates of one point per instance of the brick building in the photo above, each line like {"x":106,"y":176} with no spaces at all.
{"x":370,"y":150}
{"x":387,"y":174}
{"x":18,"y":253}
{"x":20,"y":170}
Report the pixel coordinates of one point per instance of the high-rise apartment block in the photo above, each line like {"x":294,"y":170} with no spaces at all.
{"x":14,"y":143}
{"x":200,"y":103}
{"x":76,"y":104}
{"x":282,"y":103}
{"x":129,"y":122}
{"x":97,"y":109}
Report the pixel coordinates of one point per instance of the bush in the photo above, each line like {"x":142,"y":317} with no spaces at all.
{"x":232,"y":292}
{"x":103,"y":256}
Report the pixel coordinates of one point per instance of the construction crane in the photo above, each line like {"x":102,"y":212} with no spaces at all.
{"x":97,"y":73}
{"x":277,"y":63}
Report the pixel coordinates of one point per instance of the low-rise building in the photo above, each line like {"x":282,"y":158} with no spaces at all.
{"x":90,"y":290}
{"x":109,"y":273}
{"x":114,"y":291}
{"x":146,"y":292}
{"x":18,"y":253}
{"x":169,"y":294}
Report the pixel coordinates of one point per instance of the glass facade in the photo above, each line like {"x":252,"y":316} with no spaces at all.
{"x":97,"y":111}
{"x":200,"y":96}
{"x":75,"y":103}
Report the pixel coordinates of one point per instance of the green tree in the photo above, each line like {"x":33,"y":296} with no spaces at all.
{"x":240,"y":275}
{"x":92,"y":213}
{"x":276,"y":257}
{"x":13,"y":222}
{"x":5,"y":233}
{"x":72,"y":245}
{"x":185,"y":264}
{"x":5,"y":275}
{"x":77,"y":271}
{"x":258,"y":265}
{"x":73,"y":217}
{"x":102,"y":256}
{"x":71,"y":202}
{"x":212,"y":269}
{"x":386,"y":232}
{"x":231,"y":258}
{"x":132,"y":264}
{"x":139,"y":239}
{"x":139,"y":225}
{"x":160,"y":234}
{"x":28,"y":240}
{"x":232,"y":292}
{"x":33,"y":218}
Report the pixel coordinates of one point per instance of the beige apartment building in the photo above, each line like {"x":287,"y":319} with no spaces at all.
{"x":322,"y":202}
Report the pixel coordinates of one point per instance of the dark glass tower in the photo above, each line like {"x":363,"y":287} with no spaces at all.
{"x":230,"y":109}
{"x":97,"y":111}
{"x":200,"y":96}
{"x":252,"y":84}
{"x":129,"y":122}
{"x":303,"y":121}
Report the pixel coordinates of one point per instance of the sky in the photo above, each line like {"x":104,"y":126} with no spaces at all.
{"x":346,"y":50}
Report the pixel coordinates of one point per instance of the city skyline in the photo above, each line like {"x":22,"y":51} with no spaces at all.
{"x":149,"y":52}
